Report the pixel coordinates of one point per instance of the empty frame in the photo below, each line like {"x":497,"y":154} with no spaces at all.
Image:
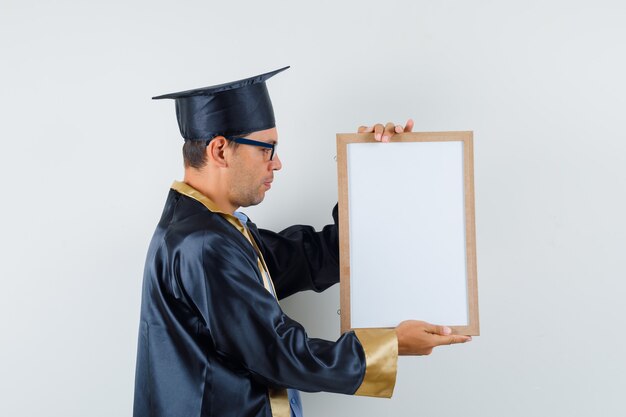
{"x":407,"y":230}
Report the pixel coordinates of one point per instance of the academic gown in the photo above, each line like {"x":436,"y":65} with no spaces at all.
{"x":213,"y":341}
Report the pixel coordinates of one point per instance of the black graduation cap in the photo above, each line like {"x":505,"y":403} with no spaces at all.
{"x":229,"y":109}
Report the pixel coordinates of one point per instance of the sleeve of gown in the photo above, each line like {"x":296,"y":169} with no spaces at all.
{"x":300,"y":258}
{"x":251,"y":333}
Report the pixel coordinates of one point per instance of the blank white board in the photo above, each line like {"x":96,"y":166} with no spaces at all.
{"x":407,"y":231}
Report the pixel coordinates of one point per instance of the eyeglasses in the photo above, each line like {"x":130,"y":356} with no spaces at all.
{"x":245,"y":141}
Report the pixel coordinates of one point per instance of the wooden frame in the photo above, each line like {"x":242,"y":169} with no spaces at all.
{"x":387,"y":250}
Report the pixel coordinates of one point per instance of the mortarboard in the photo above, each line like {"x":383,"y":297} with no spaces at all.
{"x":228,"y":109}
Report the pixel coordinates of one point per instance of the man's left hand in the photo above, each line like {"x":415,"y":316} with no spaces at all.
{"x":384,"y":133}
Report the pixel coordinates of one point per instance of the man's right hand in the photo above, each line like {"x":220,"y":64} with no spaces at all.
{"x":419,"y":338}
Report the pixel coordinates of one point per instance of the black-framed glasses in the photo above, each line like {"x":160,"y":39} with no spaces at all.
{"x":246,"y":141}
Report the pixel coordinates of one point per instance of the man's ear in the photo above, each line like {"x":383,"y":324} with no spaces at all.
{"x":215,"y":151}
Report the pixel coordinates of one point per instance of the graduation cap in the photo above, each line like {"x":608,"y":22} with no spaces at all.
{"x":229,"y":109}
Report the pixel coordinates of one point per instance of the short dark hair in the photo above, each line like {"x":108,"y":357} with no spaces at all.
{"x":194,"y":151}
{"x":194,"y":154}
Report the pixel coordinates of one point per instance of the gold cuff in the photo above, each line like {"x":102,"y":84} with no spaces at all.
{"x":381,"y":360}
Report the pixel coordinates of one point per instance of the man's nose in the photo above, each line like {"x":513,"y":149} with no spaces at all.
{"x":276,"y":163}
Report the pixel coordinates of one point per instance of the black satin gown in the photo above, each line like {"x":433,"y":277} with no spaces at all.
{"x":212,"y":339}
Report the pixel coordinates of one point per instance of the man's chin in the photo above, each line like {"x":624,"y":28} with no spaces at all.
{"x":253,"y":202}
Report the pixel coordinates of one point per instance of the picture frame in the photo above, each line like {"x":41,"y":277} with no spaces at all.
{"x":407,"y":230}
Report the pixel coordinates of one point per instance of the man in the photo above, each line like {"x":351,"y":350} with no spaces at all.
{"x":213,"y":340}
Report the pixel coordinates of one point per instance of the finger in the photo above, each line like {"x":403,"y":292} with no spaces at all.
{"x":389,"y":131}
{"x":454,"y":339}
{"x":399,"y":129}
{"x":409,"y":125}
{"x":365,"y":129}
{"x":378,"y":131}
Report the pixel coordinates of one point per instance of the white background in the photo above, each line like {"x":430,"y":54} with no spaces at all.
{"x":86,"y":160}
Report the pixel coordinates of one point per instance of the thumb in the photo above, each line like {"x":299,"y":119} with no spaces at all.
{"x":409,"y":125}
{"x":440,"y":330}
